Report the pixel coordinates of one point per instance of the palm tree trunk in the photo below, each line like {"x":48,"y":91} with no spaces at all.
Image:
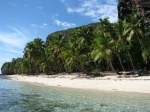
{"x":128,"y":56}
{"x":84,"y":71}
{"x":120,"y":61}
{"x":112,"y":67}
{"x":130,"y":60}
{"x":96,"y":64}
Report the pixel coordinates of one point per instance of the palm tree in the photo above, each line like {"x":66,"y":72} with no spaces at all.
{"x":48,"y":61}
{"x":74,"y":52}
{"x":76,"y":55}
{"x":45,"y":65}
{"x":27,"y":67}
{"x":105,"y":25}
{"x":53,"y":50}
{"x":69,"y":56}
{"x":102,"y":49}
{"x":84,"y":37}
{"x":17,"y":65}
{"x":33,"y":51}
{"x":133,"y":29}
{"x":121,"y":41}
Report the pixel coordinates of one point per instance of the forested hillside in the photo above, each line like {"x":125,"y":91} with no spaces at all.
{"x":92,"y":48}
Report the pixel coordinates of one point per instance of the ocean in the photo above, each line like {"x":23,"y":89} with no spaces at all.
{"x":29,"y":97}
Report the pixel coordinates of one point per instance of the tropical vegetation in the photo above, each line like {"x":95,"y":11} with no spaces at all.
{"x":92,"y":48}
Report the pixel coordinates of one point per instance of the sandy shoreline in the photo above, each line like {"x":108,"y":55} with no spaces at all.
{"x":108,"y":83}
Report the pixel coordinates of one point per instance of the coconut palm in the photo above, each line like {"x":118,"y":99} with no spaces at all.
{"x":33,"y":51}
{"x":53,"y":50}
{"x":84,"y":37}
{"x":103,"y":46}
{"x":121,"y":43}
{"x":133,"y":29}
{"x":27,"y":66}
{"x":45,"y":64}
{"x":17,"y":65}
{"x":73,"y":58}
{"x":68,"y":55}
{"x":102,"y":49}
{"x":105,"y":25}
{"x":74,"y":52}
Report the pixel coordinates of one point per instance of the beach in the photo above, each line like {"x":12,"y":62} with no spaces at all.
{"x":107,"y":83}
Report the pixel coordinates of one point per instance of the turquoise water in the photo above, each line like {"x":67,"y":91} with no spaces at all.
{"x":25,"y":97}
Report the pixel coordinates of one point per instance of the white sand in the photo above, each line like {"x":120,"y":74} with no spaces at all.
{"x":108,"y":83}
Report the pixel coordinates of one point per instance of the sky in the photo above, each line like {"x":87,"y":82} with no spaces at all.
{"x":21,"y":21}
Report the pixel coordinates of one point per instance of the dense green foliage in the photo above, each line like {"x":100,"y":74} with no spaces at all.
{"x":102,"y":46}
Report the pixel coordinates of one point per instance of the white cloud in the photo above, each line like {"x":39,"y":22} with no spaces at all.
{"x":34,"y":25}
{"x":4,"y":60}
{"x":12,"y":44}
{"x":39,"y":7}
{"x":6,"y":57}
{"x":56,"y":14}
{"x":96,"y":9}
{"x":62,"y":0}
{"x":11,"y":50}
{"x":39,"y":26}
{"x":15,"y":39}
{"x":44,"y":24}
{"x":64,"y":24}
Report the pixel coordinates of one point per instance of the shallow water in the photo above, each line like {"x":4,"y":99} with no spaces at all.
{"x":26,"y":97}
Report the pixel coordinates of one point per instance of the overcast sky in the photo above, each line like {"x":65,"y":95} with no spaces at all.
{"x":23,"y":20}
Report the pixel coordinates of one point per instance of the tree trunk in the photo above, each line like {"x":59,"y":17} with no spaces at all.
{"x":111,"y":66}
{"x":130,"y":60}
{"x":120,"y":61}
{"x":82,"y":70}
{"x":128,"y":56}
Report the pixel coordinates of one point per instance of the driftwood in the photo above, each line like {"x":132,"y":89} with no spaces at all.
{"x":139,"y":73}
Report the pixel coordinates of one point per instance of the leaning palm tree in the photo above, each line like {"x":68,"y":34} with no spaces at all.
{"x":74,"y":59}
{"x":84,"y":37}
{"x":68,"y":56}
{"x":133,"y":28}
{"x":102,"y":49}
{"x":121,"y":42}
{"x":103,"y":46}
